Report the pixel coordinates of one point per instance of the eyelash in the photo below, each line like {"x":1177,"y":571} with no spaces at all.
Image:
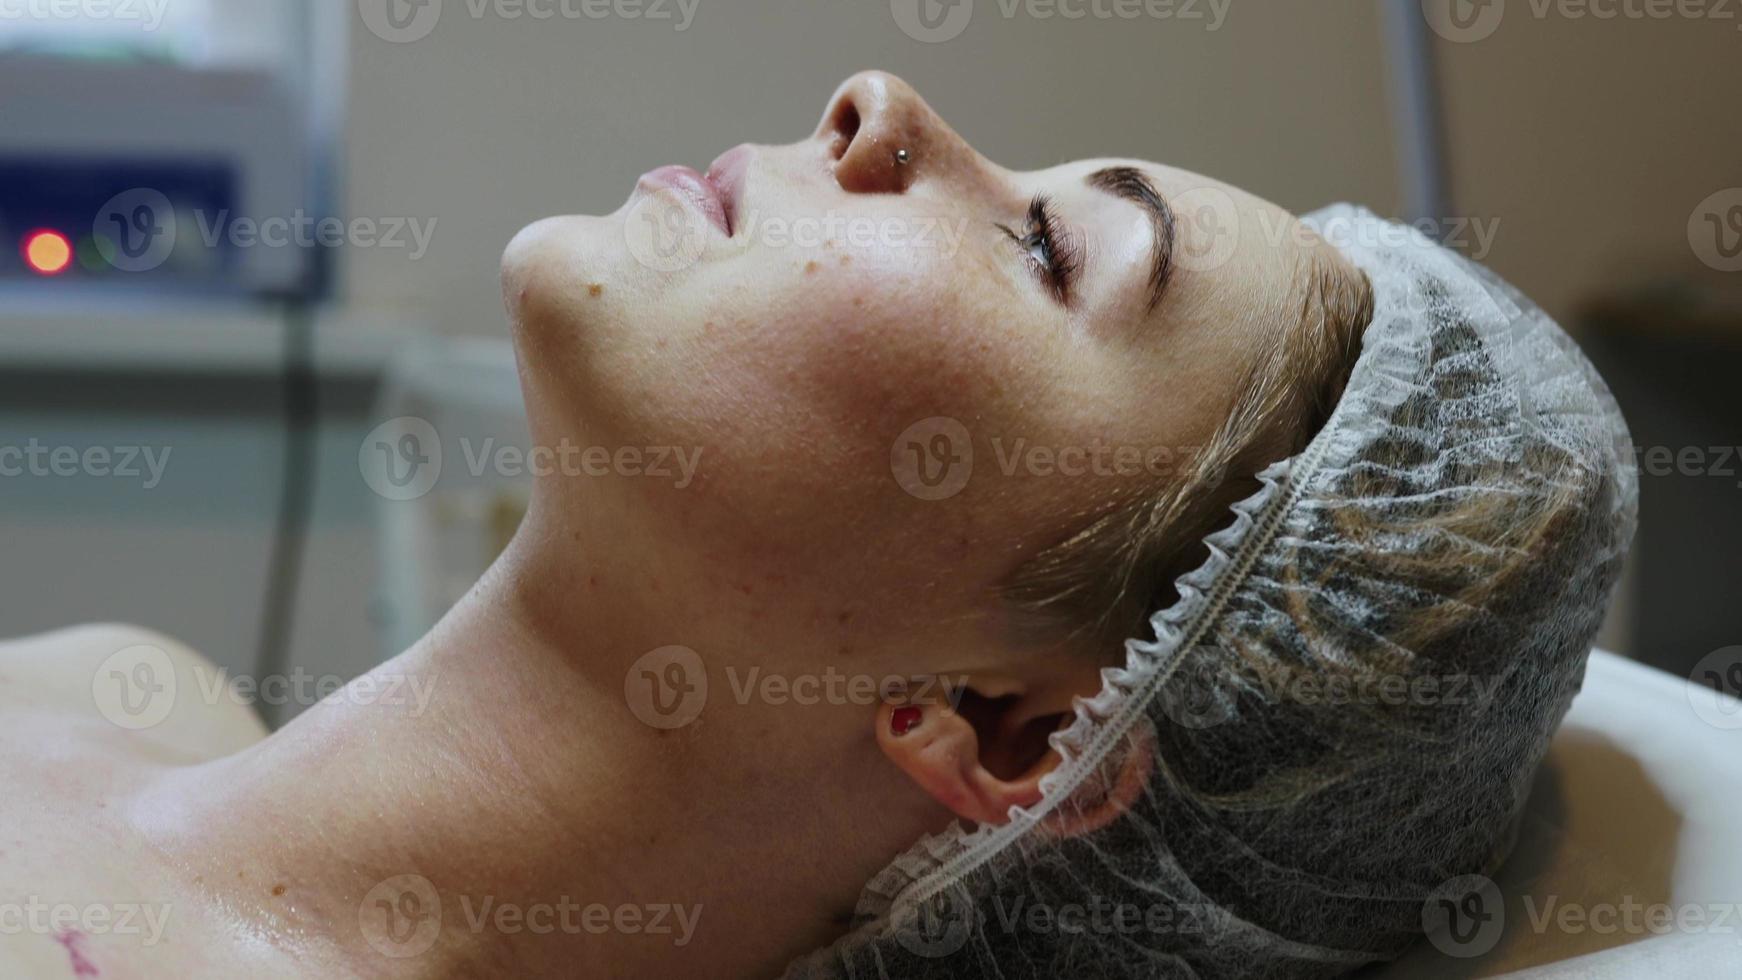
{"x":1058,"y":269}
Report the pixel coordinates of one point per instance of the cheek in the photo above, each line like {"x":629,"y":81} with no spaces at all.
{"x":796,"y":394}
{"x":848,"y":352}
{"x":790,"y":376}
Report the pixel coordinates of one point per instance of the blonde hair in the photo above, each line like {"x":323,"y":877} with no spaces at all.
{"x":1104,"y":580}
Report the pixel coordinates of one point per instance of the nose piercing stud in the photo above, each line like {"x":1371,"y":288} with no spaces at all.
{"x":903,"y":157}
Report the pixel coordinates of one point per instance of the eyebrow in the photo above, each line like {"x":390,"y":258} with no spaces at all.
{"x":1133,"y":185}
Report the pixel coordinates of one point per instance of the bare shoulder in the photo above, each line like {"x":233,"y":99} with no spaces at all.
{"x":129,"y":679}
{"x":88,"y":716}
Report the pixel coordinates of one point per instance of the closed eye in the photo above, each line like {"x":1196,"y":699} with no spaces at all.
{"x":1051,"y":250}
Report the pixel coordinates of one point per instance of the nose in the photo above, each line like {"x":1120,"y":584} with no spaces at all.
{"x":883,"y":138}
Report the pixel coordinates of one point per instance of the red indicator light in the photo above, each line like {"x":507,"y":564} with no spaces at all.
{"x":48,"y":252}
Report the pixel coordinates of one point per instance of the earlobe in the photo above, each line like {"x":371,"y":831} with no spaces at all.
{"x":1107,"y":796}
{"x":940,"y":750}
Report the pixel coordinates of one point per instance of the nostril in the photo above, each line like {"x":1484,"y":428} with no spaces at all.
{"x":845,"y":125}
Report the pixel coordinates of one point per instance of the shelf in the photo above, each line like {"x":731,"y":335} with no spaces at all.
{"x":182,"y":337}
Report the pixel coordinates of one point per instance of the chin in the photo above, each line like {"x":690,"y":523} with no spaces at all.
{"x":540,"y":257}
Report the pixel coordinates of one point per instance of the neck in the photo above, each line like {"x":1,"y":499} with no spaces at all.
{"x":498,"y":767}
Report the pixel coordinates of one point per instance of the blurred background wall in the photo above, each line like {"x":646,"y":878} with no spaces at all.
{"x":1580,"y":152}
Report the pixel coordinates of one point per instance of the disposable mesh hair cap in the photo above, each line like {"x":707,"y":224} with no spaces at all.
{"x":1342,"y":712}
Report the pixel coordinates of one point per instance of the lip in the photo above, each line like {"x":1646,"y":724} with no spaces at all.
{"x":693,"y":187}
{"x":727,"y":175}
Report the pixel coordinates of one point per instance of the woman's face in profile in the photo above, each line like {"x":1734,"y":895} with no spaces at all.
{"x":899,"y":367}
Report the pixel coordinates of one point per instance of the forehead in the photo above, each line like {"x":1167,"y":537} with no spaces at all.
{"x":1174,"y":183}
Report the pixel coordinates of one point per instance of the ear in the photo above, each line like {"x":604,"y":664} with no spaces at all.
{"x":1109,"y":793}
{"x":978,"y":749}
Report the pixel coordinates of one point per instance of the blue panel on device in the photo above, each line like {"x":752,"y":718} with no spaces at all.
{"x":104,"y":224}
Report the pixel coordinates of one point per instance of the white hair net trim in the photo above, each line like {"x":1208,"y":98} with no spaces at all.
{"x":1340,"y":715}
